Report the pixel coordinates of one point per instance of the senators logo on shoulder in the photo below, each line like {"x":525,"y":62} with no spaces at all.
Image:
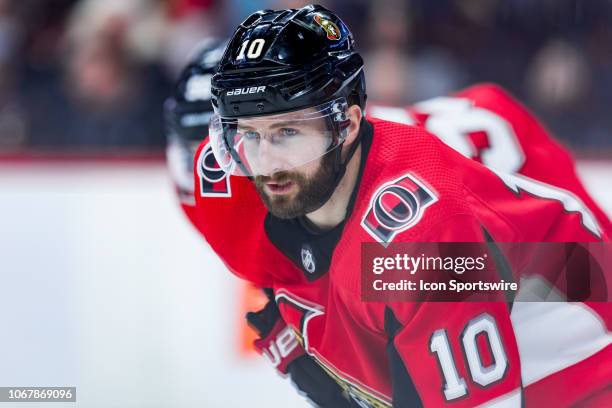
{"x":397,"y":206}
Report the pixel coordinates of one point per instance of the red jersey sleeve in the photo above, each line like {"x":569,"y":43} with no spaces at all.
{"x":543,"y":158}
{"x":488,"y":125}
{"x":459,"y":354}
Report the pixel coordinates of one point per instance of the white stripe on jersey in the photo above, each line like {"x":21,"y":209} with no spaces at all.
{"x":509,"y":400}
{"x":552,"y":336}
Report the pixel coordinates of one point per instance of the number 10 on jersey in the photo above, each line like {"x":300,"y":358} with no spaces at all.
{"x":454,"y":385}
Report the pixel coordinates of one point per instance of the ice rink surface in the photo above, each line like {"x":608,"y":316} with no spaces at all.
{"x":105,"y":286}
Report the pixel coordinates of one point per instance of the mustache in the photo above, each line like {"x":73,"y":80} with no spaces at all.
{"x":280,"y":177}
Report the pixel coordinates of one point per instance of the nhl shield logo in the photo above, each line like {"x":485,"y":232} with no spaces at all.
{"x":395,"y":207}
{"x":308,"y":260}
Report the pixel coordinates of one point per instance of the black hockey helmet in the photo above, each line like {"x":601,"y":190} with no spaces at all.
{"x":187,"y":113}
{"x":188,"y":110}
{"x":279,"y":62}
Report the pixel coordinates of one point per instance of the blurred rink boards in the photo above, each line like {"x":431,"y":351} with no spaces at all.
{"x":105,"y":286}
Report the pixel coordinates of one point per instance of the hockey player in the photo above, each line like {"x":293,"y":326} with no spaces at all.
{"x":289,"y":95}
{"x":384,"y":361}
{"x":186,"y":115}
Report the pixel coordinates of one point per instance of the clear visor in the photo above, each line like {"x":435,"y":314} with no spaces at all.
{"x":264,"y":145}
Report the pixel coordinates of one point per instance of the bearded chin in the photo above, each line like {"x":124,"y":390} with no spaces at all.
{"x":312,"y":193}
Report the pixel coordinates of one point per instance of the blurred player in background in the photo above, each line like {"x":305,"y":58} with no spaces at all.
{"x":482,"y":123}
{"x":187,"y":113}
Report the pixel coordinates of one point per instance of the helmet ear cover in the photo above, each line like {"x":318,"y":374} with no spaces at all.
{"x":358,"y":95}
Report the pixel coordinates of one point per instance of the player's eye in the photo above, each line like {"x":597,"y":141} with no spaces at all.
{"x":287,"y":132}
{"x":284,"y":134}
{"x":250,"y":135}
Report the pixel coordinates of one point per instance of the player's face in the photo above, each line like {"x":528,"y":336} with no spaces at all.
{"x":294,"y":184}
{"x":289,"y":194}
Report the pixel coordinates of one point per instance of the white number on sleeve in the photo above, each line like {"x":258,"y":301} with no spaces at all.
{"x":569,"y":201}
{"x":454,"y":385}
{"x":392,"y":114}
{"x":452,"y":119}
{"x":480,"y":374}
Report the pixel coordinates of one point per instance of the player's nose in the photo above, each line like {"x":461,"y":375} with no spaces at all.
{"x":270,"y":157}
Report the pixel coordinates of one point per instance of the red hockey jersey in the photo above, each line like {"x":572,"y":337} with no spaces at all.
{"x":426,"y":345}
{"x":430,"y":354}
{"x":483,"y":123}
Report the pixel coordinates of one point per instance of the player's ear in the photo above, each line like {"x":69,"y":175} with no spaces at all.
{"x":354,"y":114}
